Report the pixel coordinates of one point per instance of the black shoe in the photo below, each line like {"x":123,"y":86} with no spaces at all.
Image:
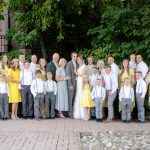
{"x":24,"y":117}
{"x":52,"y":118}
{"x":4,"y":118}
{"x":128,"y":121}
{"x":30,"y":117}
{"x":47,"y":118}
{"x":124,"y":121}
{"x":100,"y":120}
{"x":93,"y":117}
{"x":139,"y":121}
{"x":97,"y":120}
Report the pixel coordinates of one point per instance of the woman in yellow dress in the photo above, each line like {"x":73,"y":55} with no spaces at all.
{"x":86,"y":97}
{"x":125,"y":72}
{"x":14,"y":93}
{"x":4,"y":65}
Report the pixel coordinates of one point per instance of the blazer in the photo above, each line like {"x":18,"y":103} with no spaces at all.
{"x":51,"y":68}
{"x":70,"y":72}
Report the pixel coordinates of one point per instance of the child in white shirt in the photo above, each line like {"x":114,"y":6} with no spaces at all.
{"x":3,"y":97}
{"x":98,"y":95}
{"x":50,"y":97}
{"x":141,"y":90}
{"x":126,"y":97}
{"x":38,"y":90}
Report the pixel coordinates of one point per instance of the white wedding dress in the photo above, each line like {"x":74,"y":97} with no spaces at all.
{"x":79,"y":112}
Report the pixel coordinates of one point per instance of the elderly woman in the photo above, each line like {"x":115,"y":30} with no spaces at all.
{"x":62,"y":91}
{"x":101,"y":65}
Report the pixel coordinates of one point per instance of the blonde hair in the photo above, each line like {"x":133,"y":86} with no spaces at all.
{"x":61,"y":61}
{"x":101,"y":62}
{"x":85,"y":77}
{"x":12,"y":63}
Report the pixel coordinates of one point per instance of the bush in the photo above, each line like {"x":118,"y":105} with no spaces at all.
{"x":15,"y":54}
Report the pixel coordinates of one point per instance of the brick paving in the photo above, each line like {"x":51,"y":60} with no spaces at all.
{"x":57,"y":134}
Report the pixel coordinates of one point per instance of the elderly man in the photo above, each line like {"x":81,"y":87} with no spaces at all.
{"x":53,"y":65}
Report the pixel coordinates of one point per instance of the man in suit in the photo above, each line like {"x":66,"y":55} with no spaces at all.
{"x":71,"y":66}
{"x":53,"y":65}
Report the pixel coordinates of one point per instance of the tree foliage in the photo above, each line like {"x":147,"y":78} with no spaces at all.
{"x":2,"y":6}
{"x":123,"y":30}
{"x":34,"y":17}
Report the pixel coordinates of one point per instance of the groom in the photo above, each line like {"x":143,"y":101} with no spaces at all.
{"x":71,"y":66}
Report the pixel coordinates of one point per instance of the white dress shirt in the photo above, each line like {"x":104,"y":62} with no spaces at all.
{"x":4,"y":89}
{"x":115,"y":69}
{"x":37,"y":86}
{"x":132,"y":65}
{"x":50,"y":86}
{"x":111,"y":82}
{"x":98,"y":92}
{"x":141,"y":87}
{"x":33,"y":67}
{"x":56,"y":64}
{"x":126,"y":92}
{"x":21,"y":65}
{"x":26,"y":77}
{"x":93,"y":79}
{"x":142,"y":66}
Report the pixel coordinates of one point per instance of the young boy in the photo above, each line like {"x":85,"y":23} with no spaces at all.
{"x":111,"y":86}
{"x":92,"y":79}
{"x":141,"y":90}
{"x":50,"y":97}
{"x":94,"y":76}
{"x":126,"y":97}
{"x":26,"y":77}
{"x":132,"y":62}
{"x":3,"y":97}
{"x":98,"y":95}
{"x":38,"y":90}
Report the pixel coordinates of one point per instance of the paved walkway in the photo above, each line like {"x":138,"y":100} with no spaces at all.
{"x":57,"y":134}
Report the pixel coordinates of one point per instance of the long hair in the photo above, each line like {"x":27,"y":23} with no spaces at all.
{"x":122,"y":67}
{"x":2,"y":63}
{"x":40,"y":67}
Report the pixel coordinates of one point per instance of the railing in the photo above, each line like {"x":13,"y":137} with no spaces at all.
{"x":3,"y":44}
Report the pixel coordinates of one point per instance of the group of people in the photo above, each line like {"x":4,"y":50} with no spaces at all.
{"x":47,"y":90}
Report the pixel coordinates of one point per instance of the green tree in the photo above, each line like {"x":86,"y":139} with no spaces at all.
{"x":34,"y":17}
{"x":123,"y":29}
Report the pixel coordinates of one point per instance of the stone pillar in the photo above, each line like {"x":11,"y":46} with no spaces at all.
{"x":4,"y":25}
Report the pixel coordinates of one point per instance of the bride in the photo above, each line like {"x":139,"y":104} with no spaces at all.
{"x":79,"y":111}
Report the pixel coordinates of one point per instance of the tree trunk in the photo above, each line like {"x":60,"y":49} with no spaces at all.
{"x":43,"y":48}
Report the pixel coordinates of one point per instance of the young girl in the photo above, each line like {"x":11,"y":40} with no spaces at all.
{"x":50,"y":97}
{"x":86,"y":97}
{"x":98,"y":95}
{"x":126,"y":96}
{"x":3,"y":97}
